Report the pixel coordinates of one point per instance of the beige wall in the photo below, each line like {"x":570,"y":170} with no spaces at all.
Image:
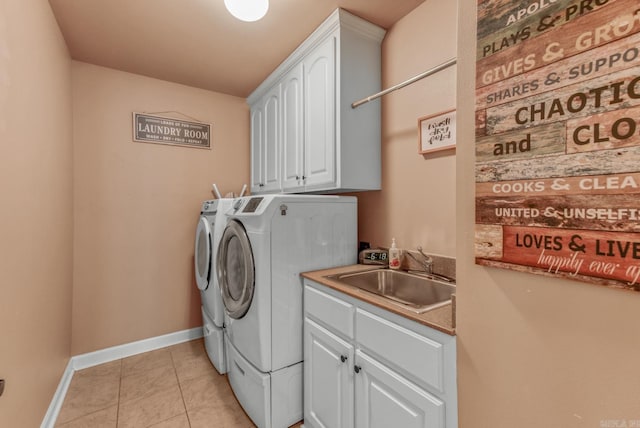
{"x":417,"y":203}
{"x":35,"y":210}
{"x":533,"y":351}
{"x":137,"y":204}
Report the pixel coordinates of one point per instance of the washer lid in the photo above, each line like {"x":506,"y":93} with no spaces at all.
{"x":235,"y":269}
{"x":202,"y":255}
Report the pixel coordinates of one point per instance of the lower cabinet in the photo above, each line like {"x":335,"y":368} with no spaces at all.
{"x":365,"y":367}
{"x":328,"y":378}
{"x":386,"y":399}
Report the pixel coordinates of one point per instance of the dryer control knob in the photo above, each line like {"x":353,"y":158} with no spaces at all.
{"x":237,"y":204}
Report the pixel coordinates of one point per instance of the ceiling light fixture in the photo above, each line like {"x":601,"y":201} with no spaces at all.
{"x":247,"y":10}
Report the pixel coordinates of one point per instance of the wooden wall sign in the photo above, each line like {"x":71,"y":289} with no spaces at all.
{"x":163,"y":130}
{"x":558,"y":138}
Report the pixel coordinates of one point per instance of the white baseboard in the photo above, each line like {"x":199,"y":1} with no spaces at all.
{"x":106,"y":355}
{"x":83,"y":361}
{"x":56,"y":403}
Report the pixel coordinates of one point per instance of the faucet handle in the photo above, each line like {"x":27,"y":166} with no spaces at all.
{"x":419,"y":248}
{"x":428,"y":260}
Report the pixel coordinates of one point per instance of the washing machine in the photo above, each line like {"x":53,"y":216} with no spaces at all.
{"x":267,"y":242}
{"x":208,"y":233}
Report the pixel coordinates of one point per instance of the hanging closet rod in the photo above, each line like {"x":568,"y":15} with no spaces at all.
{"x":406,"y":82}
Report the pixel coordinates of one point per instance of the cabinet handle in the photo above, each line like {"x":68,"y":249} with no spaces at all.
{"x":343,"y":358}
{"x":304,"y":177}
{"x":297,"y":177}
{"x":261,"y":185}
{"x":357,"y":369}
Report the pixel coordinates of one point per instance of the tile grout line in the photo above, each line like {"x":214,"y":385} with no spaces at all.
{"x":149,"y":369}
{"x":93,"y":411}
{"x":119,"y":390}
{"x":175,"y":371}
{"x":103,"y":356}
{"x":80,"y":417}
{"x":121,"y":375}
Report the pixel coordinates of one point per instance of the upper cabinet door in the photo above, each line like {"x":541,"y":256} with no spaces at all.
{"x":271,"y":146}
{"x":257,"y":147}
{"x":292,"y":138}
{"x":320,"y":115}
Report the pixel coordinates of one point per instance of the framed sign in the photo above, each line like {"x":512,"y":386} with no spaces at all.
{"x":437,"y":132}
{"x":163,"y":130}
{"x":557,"y":139}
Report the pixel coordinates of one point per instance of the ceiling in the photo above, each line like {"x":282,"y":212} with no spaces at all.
{"x":197,"y":42}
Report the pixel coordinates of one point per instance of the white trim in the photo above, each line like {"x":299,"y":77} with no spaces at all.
{"x":106,"y":355}
{"x":56,"y":402}
{"x":83,"y":361}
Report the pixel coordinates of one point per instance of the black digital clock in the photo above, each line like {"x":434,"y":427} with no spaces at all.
{"x":374,"y":256}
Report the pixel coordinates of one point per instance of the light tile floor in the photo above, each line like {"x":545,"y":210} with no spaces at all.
{"x":174,"y":387}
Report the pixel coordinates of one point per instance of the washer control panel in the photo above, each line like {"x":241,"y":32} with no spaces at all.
{"x":252,"y":205}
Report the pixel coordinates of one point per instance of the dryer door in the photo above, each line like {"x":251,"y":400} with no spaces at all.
{"x":235,"y":270}
{"x":202,"y":255}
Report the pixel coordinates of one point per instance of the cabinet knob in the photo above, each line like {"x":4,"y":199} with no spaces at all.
{"x":357,"y":369}
{"x":297,"y":177}
{"x":261,"y":185}
{"x":304,"y":177}
{"x":343,"y":358}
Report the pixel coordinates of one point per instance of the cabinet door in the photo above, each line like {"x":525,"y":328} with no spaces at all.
{"x":328,"y":378}
{"x":385,"y":399}
{"x":320,"y":116}
{"x":292,"y":138}
{"x":271,"y":152}
{"x":257,"y":146}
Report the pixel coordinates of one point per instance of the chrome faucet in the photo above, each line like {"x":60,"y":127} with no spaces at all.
{"x":427,"y":262}
{"x":427,"y":266}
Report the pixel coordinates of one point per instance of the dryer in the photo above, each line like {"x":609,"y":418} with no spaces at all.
{"x":208,"y":232}
{"x":268,"y":241}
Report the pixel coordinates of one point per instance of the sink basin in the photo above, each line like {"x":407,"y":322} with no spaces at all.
{"x":409,"y":290}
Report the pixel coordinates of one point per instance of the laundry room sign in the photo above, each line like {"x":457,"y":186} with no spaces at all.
{"x":163,"y":130}
{"x":558,"y":138}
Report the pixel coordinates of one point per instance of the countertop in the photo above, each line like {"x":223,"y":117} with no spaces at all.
{"x":442,"y":318}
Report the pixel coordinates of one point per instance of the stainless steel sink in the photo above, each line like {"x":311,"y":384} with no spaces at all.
{"x":412,"y":291}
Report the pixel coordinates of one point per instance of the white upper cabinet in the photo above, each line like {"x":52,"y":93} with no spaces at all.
{"x":292,"y":150}
{"x":321,"y":144}
{"x":265,"y":143}
{"x":257,"y":146}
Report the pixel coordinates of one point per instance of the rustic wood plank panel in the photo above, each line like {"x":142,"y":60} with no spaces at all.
{"x":604,"y":131}
{"x":624,"y":160}
{"x":600,"y":95}
{"x":481,"y":123}
{"x":619,"y":212}
{"x":613,"y":21}
{"x":488,"y":241}
{"x":558,"y":139}
{"x":610,"y":283}
{"x":522,"y":143}
{"x":620,"y":55}
{"x":609,"y":255}
{"x":612,"y":184}
{"x":509,"y":20}
{"x":493,"y":14}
